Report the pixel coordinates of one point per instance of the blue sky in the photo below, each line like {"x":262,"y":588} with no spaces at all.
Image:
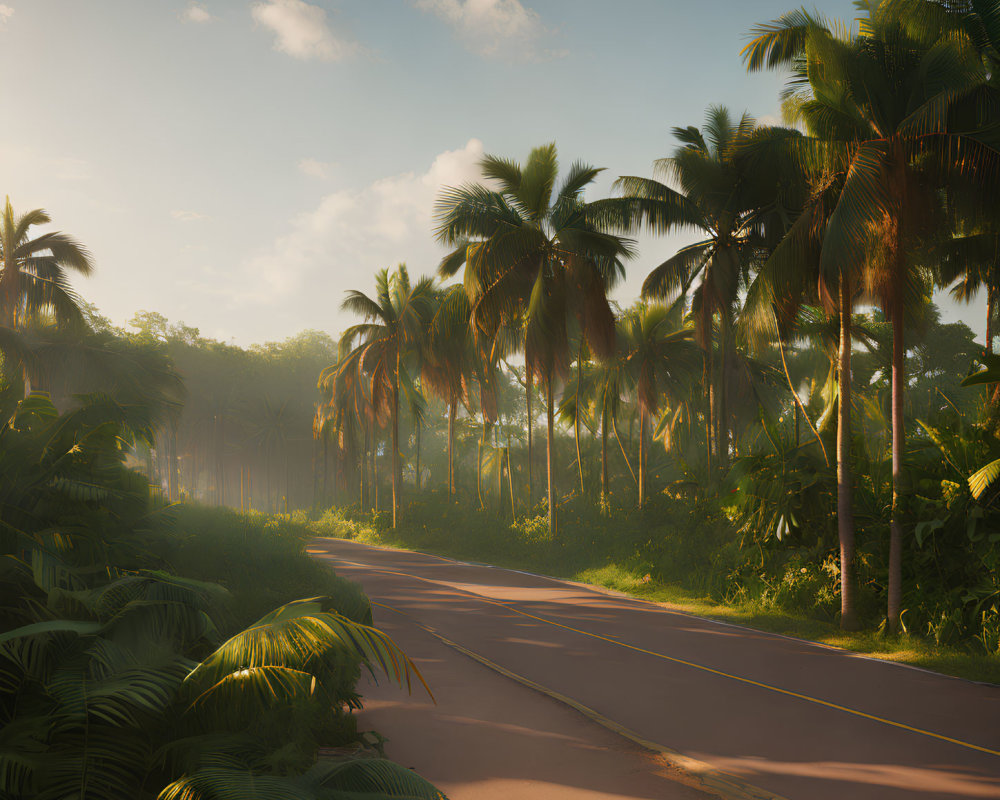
{"x":238,"y":164}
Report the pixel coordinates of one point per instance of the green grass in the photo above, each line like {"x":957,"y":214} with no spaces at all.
{"x":636,"y":576}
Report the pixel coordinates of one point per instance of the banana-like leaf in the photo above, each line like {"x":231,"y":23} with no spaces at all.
{"x":259,"y":686}
{"x":302,"y":635}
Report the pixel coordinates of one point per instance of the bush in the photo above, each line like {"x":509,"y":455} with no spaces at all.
{"x":259,"y":558}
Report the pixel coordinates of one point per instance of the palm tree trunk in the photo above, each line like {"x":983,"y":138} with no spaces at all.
{"x":510,"y":481}
{"x":375,"y":471}
{"x":990,"y":311}
{"x":706,"y":381}
{"x":895,"y":523}
{"x":550,"y":447}
{"x":614,"y":428}
{"x":576,"y":418}
{"x":798,"y":404}
{"x":451,"y":445}
{"x":604,"y":454}
{"x":722,"y":438}
{"x":418,"y":458}
{"x":642,"y":457}
{"x":326,"y":469}
{"x":845,"y":511}
{"x":175,"y":471}
{"x":528,"y":383}
{"x":397,"y":470}
{"x":500,"y":459}
{"x":479,"y":464}
{"x":363,"y":472}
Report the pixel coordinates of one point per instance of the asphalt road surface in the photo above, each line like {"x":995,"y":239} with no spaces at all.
{"x":548,"y":689}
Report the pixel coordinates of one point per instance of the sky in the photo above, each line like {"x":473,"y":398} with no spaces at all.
{"x":239,"y":164}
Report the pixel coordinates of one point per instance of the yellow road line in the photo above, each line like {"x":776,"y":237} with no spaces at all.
{"x":692,"y":664}
{"x":722,"y":784}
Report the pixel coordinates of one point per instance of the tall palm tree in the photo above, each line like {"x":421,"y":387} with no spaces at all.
{"x":395,"y":319}
{"x":605,"y":384}
{"x":576,"y":402}
{"x":657,"y":351}
{"x":446,"y":365}
{"x":711,"y":189}
{"x":534,"y":258}
{"x":795,"y":274}
{"x":886,"y":105}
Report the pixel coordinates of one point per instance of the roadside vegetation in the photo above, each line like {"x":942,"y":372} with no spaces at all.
{"x":147,"y":650}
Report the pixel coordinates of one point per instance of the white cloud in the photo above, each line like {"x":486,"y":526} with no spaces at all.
{"x":353,"y":232}
{"x":301,"y":30}
{"x":493,"y":27}
{"x":187,"y":216}
{"x":197,"y":13}
{"x":6,"y":12}
{"x":314,"y":168}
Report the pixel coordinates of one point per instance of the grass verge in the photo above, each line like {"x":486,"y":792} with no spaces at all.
{"x":635,"y":574}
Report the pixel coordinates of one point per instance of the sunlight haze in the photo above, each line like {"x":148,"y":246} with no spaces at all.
{"x":239,"y":165}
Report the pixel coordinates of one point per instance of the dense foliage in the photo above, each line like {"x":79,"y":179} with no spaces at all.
{"x":123,"y":674}
{"x":790,"y":362}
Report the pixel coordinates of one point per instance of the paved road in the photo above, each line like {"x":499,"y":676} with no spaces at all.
{"x":795,"y":720}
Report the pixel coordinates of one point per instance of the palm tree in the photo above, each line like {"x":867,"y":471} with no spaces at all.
{"x":657,"y":350}
{"x":394,"y":323}
{"x":881,"y":105}
{"x":446,"y":365}
{"x":576,"y":402}
{"x":534,"y":258}
{"x":735,"y":207}
{"x":33,"y":271}
{"x":34,"y":283}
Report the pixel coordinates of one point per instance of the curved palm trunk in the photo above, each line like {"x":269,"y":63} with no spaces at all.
{"x":845,"y":512}
{"x":550,"y":447}
{"x":510,"y":481}
{"x":797,"y":402}
{"x":895,"y":524}
{"x":451,"y":446}
{"x":614,"y":427}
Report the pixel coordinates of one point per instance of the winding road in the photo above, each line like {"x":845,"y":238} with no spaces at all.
{"x":547,"y":690}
